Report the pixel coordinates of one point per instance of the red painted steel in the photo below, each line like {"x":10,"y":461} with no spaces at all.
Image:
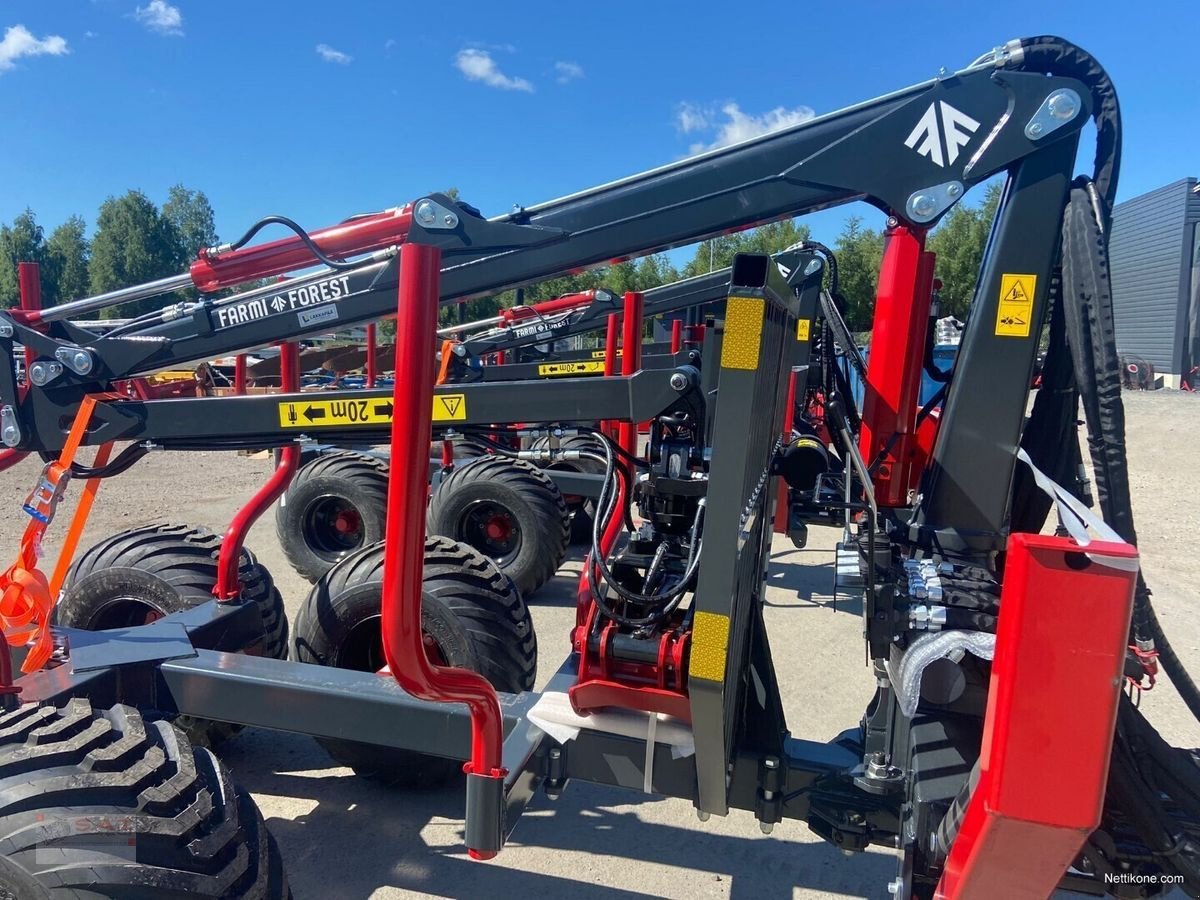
{"x":1052,"y":706}
{"x":10,"y":457}
{"x":239,"y":374}
{"x":789,"y":420}
{"x":631,"y":359}
{"x":228,"y":586}
{"x":611,"y":336}
{"x":212,"y":271}
{"x":412,"y":430}
{"x":676,"y":335}
{"x":893,"y":388}
{"x":372,"y":363}
{"x":29,"y":281}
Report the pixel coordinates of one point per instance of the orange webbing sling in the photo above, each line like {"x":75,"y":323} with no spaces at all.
{"x":26,"y":597}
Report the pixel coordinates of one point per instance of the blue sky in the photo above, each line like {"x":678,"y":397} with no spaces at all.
{"x":321,"y":110}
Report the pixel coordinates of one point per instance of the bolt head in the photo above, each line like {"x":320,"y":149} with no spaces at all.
{"x":813,"y":267}
{"x":81,"y":362}
{"x":954,"y":190}
{"x":6,"y":330}
{"x":678,"y":381}
{"x":1036,"y":128}
{"x":1063,"y":105}
{"x":923,"y":205}
{"x":10,"y":435}
{"x":425,"y":213}
{"x":450,"y":220}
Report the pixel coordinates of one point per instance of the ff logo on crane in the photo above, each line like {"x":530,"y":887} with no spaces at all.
{"x":941,"y":141}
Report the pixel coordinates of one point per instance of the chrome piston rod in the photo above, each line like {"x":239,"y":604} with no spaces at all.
{"x":117,"y":297}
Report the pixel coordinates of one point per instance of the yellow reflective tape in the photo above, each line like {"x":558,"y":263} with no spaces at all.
{"x":1014,"y":312}
{"x":743,"y":332}
{"x":802,"y":329}
{"x":710,"y":643}
{"x":552,"y":370}
{"x":340,"y":413}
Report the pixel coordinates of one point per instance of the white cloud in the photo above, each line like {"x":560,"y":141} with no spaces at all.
{"x":389,"y":43}
{"x":478,"y":65}
{"x":160,"y":16}
{"x":689,"y":118}
{"x":331,"y":55}
{"x":90,"y":34}
{"x":19,"y":42}
{"x":739,"y":126}
{"x":567,"y":71}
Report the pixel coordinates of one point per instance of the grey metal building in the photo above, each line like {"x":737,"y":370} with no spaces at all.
{"x":1155,"y":256}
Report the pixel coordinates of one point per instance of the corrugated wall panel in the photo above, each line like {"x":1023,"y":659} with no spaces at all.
{"x":1147,"y":253}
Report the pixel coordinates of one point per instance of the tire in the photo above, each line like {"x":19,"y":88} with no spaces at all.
{"x":146,"y":573}
{"x":471,"y":613}
{"x":464,"y":449}
{"x":582,"y":509}
{"x":508,"y":510}
{"x":335,"y":504}
{"x":106,"y":804}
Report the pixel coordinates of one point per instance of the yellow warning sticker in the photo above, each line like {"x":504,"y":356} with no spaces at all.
{"x":802,"y":329}
{"x":1014,"y":313}
{"x":551,"y":370}
{"x":600,"y":354}
{"x":340,"y":413}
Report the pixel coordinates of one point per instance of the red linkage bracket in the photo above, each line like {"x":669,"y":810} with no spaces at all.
{"x":1052,"y":708}
{"x":404,"y":649}
{"x":228,"y":586}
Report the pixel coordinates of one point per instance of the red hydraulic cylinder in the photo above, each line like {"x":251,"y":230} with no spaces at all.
{"x":676,"y":335}
{"x":372,"y":367}
{"x":1052,"y":707}
{"x":228,"y":586}
{"x":214,"y":269}
{"x":631,"y":360}
{"x":412,"y":429}
{"x":548,"y":307}
{"x":29,"y":280}
{"x":893,"y":389}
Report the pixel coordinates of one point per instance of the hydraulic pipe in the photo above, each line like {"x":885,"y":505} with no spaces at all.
{"x":403,"y":646}
{"x":228,"y":586}
{"x":112,"y":298}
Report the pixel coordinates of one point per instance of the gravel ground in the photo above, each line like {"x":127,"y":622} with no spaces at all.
{"x":344,"y":838}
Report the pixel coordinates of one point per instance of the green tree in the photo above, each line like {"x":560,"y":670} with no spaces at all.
{"x":22,"y":241}
{"x":959,"y":242}
{"x":859,"y":253}
{"x":718,"y":253}
{"x":134,"y":243}
{"x":67,"y":253}
{"x":191,"y":215}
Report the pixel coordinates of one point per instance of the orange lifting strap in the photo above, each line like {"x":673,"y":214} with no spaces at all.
{"x":26,"y":597}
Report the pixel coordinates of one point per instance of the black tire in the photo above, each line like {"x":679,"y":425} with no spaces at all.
{"x":335,"y":504}
{"x":471,"y":612}
{"x":510,"y":511}
{"x":464,"y":449}
{"x":106,"y":804}
{"x":581,"y":508}
{"x":146,"y":573}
